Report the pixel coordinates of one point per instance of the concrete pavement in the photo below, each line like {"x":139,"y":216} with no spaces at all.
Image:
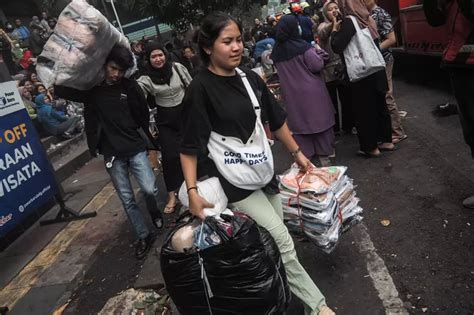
{"x":39,"y":268}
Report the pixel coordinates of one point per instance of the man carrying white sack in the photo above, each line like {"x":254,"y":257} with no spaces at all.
{"x":116,"y":117}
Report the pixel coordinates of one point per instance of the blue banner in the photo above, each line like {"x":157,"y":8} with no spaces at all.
{"x":26,"y":178}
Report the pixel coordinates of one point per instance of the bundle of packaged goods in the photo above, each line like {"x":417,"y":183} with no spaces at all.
{"x":74,"y":54}
{"x":320,"y":204}
{"x":225,"y":264}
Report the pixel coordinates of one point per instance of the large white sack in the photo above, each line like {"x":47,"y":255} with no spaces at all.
{"x":76,"y":52}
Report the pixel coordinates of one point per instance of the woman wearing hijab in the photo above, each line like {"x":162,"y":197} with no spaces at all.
{"x":28,"y":86}
{"x":334,"y":69}
{"x":309,"y":106}
{"x":374,"y":127}
{"x":28,"y":101}
{"x":164,"y":83}
{"x":30,"y":105}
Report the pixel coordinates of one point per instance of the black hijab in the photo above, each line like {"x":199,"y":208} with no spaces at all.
{"x":162,"y":75}
{"x":289,"y":43}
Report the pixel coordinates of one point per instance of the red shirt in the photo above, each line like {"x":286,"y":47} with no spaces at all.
{"x":25,"y":62}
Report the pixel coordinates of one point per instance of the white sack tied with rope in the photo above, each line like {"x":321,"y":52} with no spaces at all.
{"x":77,"y":50}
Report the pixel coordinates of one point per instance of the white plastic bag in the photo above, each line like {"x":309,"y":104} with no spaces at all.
{"x":211,"y":190}
{"x":362,"y":56}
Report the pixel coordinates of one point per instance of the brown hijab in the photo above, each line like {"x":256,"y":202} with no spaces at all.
{"x":358,"y":9}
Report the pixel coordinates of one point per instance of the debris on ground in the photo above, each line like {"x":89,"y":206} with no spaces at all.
{"x":136,"y":302}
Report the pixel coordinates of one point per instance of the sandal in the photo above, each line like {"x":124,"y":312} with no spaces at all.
{"x":170,"y":209}
{"x":396,"y":140}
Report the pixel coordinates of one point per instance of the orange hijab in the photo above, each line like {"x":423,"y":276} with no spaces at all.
{"x":358,"y":9}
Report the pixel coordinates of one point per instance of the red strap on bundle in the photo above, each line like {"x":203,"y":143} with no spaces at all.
{"x":299,"y":180}
{"x":339,"y":212}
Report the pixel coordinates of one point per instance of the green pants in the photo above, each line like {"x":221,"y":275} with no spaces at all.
{"x":266,"y":210}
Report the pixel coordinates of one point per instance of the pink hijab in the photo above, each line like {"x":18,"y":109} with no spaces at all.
{"x":358,"y":9}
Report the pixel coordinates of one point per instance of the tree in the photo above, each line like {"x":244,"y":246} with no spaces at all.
{"x":54,"y":7}
{"x":182,"y":14}
{"x":179,"y":14}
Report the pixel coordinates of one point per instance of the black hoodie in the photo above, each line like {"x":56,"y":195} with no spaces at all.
{"x":116,"y":118}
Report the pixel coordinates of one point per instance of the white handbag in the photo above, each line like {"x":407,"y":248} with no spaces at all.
{"x":362,"y":55}
{"x":244,"y":165}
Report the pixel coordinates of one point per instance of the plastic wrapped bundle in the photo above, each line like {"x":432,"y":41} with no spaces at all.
{"x":320,"y":204}
{"x":316,"y":181}
{"x":75,"y":53}
{"x":234,"y":268}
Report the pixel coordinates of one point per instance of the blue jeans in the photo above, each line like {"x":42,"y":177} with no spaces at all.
{"x":140,"y":167}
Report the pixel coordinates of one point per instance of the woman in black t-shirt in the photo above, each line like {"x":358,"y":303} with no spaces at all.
{"x":225,"y":101}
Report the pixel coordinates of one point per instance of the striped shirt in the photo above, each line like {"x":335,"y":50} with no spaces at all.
{"x":384,"y":27}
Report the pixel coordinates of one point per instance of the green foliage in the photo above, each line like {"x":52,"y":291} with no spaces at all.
{"x":49,"y":5}
{"x":184,"y":13}
{"x":180,"y":14}
{"x":54,"y":7}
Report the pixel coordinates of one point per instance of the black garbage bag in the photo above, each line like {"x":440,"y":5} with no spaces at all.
{"x":242,"y":275}
{"x":272,"y":249}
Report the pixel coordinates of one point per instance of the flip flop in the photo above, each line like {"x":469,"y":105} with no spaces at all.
{"x":170,"y":209}
{"x":396,"y":140}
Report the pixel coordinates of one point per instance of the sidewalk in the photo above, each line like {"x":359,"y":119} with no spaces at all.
{"x":41,"y":269}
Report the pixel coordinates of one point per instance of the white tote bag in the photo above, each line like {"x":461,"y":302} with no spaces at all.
{"x":362,"y":55}
{"x":244,"y":165}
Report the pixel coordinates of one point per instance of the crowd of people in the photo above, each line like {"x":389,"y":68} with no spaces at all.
{"x":20,"y":45}
{"x":199,"y":104}
{"x":198,"y":108}
{"x":208,"y":107}
{"x":302,"y":41}
{"x":51,"y":115}
{"x":309,"y":42}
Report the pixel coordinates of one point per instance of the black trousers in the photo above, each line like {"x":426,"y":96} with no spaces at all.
{"x":347,"y":114}
{"x":463,"y":85}
{"x":371,"y":113}
{"x":168,"y":121}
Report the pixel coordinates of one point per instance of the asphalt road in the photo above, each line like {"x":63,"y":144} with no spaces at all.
{"x":422,"y":263}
